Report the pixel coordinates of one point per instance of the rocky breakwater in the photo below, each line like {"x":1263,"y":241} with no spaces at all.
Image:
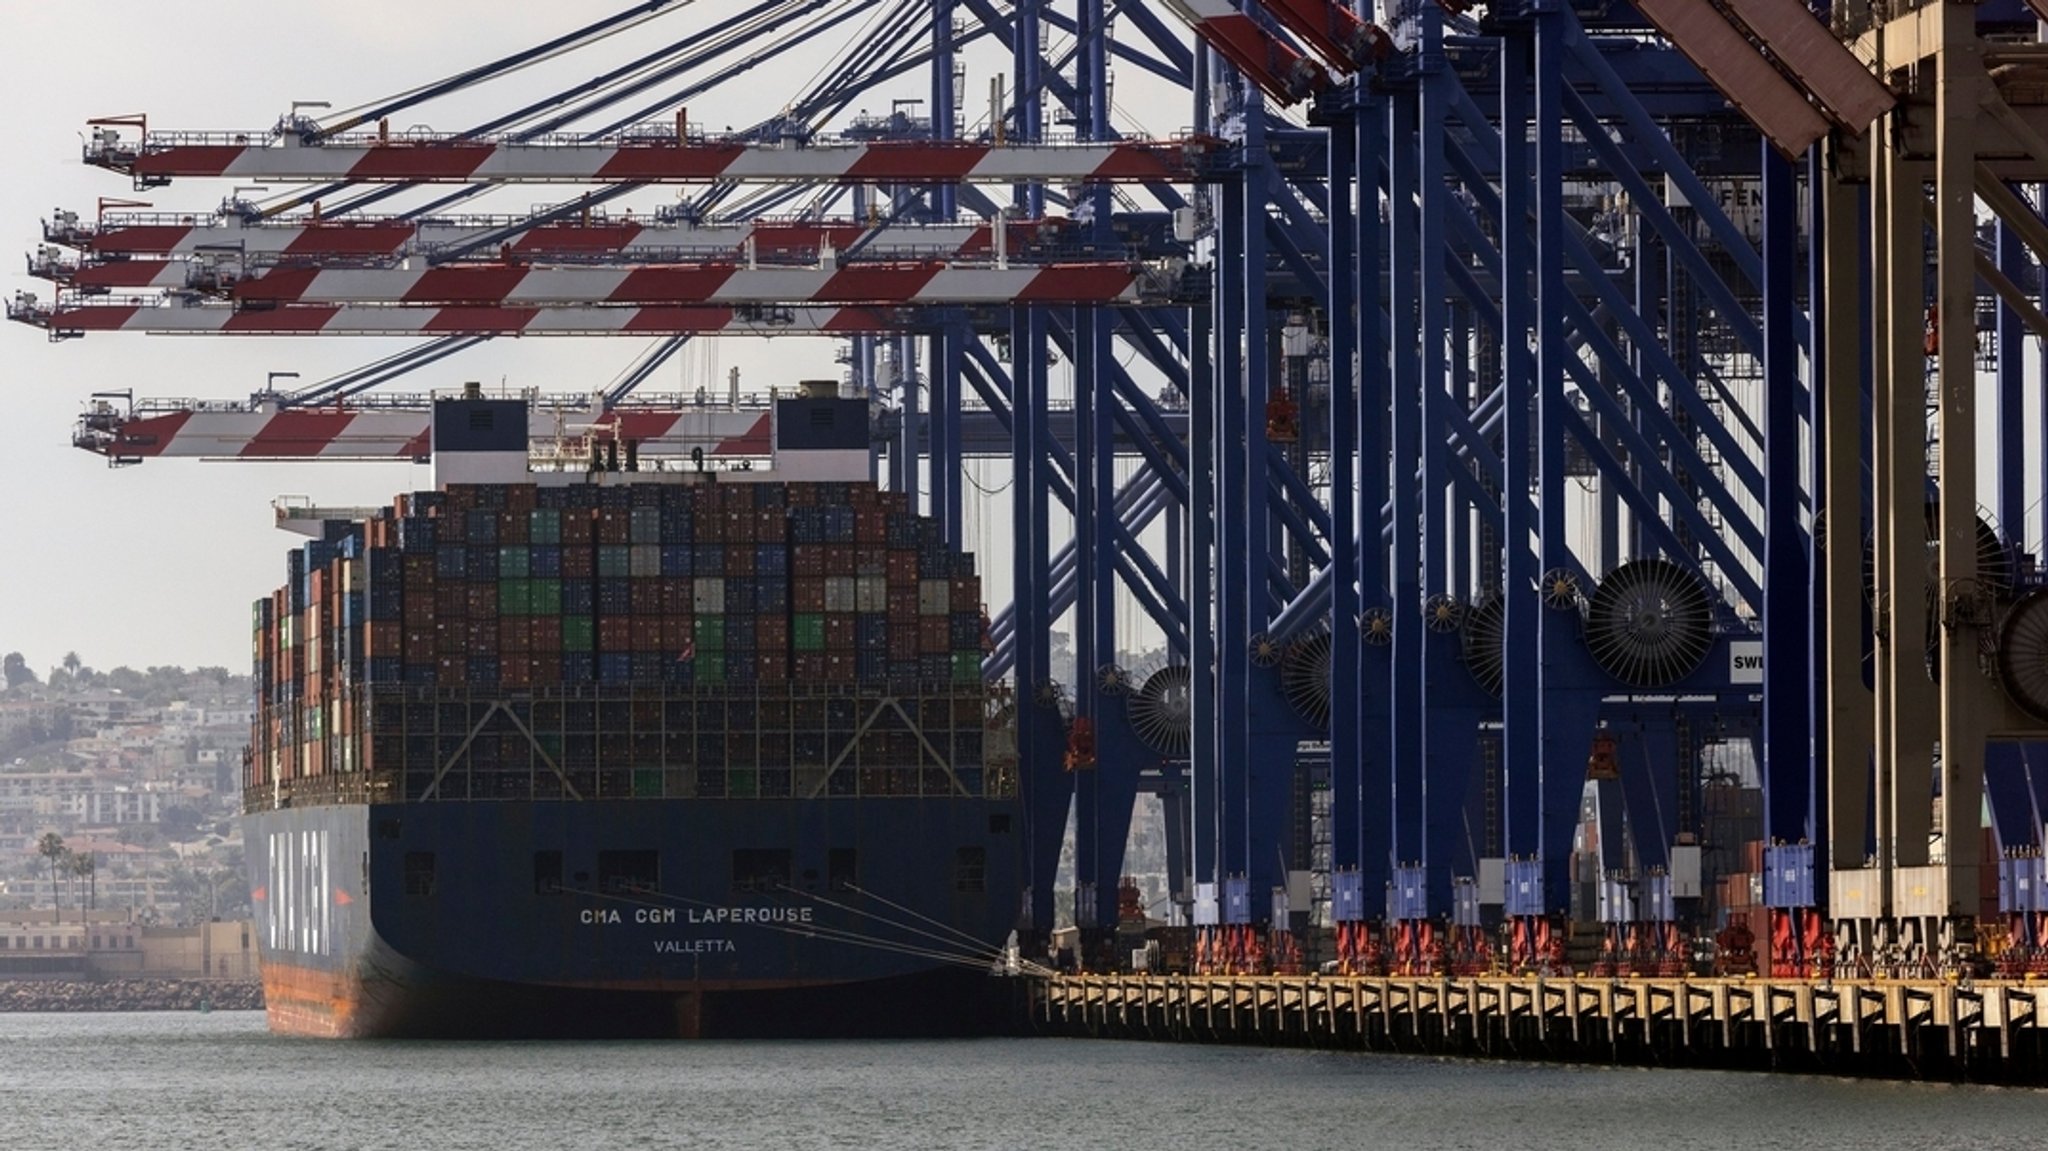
{"x":131,"y":995}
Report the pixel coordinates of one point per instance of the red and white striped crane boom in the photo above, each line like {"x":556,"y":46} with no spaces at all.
{"x":566,"y":429}
{"x":262,"y":241}
{"x":657,"y":154}
{"x":173,"y":315}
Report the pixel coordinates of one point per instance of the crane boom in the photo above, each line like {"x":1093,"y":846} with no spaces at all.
{"x":928,"y":282}
{"x":559,"y":427}
{"x":66,"y":319}
{"x":660,"y":157}
{"x":266,"y":240}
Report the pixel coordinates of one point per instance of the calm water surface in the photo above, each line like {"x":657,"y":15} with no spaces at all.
{"x":221,"y":1081}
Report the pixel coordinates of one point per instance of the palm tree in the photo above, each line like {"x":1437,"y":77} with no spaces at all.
{"x":72,"y":663}
{"x":84,"y":867}
{"x":51,"y":847}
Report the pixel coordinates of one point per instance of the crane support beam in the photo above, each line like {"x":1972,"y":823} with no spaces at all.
{"x":160,"y":157}
{"x":116,"y":314}
{"x":925,"y":282}
{"x":769,"y":241}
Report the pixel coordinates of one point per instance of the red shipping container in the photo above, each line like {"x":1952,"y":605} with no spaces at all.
{"x":615,"y":633}
{"x":895,"y":503}
{"x":772,"y":667}
{"x":546,"y":634}
{"x":614,"y":527}
{"x":737,"y":527}
{"x":649,"y":596}
{"x":419,"y":644}
{"x":903,"y":604}
{"x":513,"y":528}
{"x":676,"y":597}
{"x":481,"y":600}
{"x":870,"y":526}
{"x":451,"y":670}
{"x":676,"y":634}
{"x":516,"y":672}
{"x":807,"y":594}
{"x":839,"y":632}
{"x":807,"y":560}
{"x":839,"y":559}
{"x":514,"y":636}
{"x":578,"y":531}
{"x":579,"y":562}
{"x":546,"y":669}
{"x":965,"y":594}
{"x":809,"y":667}
{"x":647,"y":633}
{"x":771,"y":632}
{"x":902,"y":566}
{"x":934,"y":635}
{"x":480,"y":637}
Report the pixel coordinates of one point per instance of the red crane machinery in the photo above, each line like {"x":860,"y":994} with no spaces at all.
{"x":1269,"y":61}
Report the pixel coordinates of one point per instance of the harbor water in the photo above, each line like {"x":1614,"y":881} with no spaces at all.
{"x":220,"y":1080}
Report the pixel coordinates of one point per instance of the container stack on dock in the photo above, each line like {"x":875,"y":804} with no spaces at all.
{"x":667,"y":637}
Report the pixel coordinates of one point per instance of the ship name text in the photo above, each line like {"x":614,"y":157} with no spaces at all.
{"x":607,"y":916}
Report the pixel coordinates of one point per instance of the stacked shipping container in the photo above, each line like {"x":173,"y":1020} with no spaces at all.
{"x":629,"y":639}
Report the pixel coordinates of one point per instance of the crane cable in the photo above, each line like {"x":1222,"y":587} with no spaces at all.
{"x":504,"y":66}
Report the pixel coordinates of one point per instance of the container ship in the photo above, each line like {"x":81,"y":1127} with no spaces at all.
{"x":617,"y":752}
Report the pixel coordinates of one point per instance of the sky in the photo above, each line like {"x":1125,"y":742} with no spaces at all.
{"x":158,"y":563}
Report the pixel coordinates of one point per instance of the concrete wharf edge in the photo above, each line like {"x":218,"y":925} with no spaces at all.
{"x":1990,"y":1031}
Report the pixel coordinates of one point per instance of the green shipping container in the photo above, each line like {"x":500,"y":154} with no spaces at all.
{"x":512,"y":563}
{"x":614,"y":561}
{"x":515,"y":597}
{"x":739,"y":783}
{"x":647,"y":783}
{"x":807,"y":631}
{"x":544,"y":526}
{"x":545,"y":597}
{"x":966,"y":666}
{"x":579,"y":633}
{"x":710,"y":635}
{"x":709,"y":666}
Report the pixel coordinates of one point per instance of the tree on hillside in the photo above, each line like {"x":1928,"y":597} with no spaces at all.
{"x":72,"y":663}
{"x":16,"y":669}
{"x":51,"y":847}
{"x":82,"y":865}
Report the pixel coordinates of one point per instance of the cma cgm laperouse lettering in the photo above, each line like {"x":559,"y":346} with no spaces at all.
{"x":616,"y":751}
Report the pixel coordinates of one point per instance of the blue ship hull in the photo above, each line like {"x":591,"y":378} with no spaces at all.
{"x":676,"y":917}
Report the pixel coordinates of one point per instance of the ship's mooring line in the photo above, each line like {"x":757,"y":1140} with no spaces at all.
{"x":859,"y":890}
{"x":832,"y":934}
{"x":994,"y":953}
